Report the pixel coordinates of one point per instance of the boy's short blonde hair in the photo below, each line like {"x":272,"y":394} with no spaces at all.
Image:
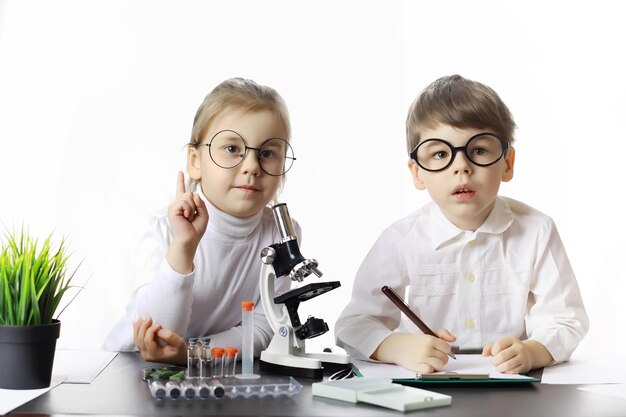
{"x":461,"y":103}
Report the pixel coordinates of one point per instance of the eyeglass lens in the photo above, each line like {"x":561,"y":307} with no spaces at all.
{"x":228,"y":149}
{"x":482,"y":150}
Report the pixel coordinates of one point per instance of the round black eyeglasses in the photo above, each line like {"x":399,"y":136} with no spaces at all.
{"x":483,"y":149}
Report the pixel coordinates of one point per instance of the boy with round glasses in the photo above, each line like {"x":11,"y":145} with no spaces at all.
{"x":489,"y":272}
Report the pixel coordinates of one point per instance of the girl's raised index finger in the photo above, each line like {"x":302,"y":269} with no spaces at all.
{"x":180,"y":184}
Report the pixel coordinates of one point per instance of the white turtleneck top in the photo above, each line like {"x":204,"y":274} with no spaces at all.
{"x":206,"y":302}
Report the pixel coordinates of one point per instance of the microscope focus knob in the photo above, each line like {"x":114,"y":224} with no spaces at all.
{"x":268,"y":255}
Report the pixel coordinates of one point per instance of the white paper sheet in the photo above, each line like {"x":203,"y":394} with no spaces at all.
{"x":600,"y":369}
{"x":464,"y":364}
{"x":10,"y":399}
{"x":81,"y":366}
{"x":613,"y":390}
{"x":70,"y":366}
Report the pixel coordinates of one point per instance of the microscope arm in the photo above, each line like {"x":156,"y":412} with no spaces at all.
{"x":276,"y":314}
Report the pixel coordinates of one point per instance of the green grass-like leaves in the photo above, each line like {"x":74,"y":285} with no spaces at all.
{"x":32,"y":280}
{"x":166,"y":373}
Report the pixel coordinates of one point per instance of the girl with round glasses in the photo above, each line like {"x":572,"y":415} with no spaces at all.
{"x":198,"y":261}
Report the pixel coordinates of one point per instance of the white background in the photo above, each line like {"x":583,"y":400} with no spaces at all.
{"x":97,"y":100}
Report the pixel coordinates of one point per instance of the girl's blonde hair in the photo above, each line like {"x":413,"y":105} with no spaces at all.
{"x":236,"y":94}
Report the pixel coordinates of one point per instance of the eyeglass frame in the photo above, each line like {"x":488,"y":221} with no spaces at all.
{"x":456,"y":149}
{"x":245,"y":152}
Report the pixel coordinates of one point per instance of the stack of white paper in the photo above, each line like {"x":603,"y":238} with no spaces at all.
{"x":381,"y":392}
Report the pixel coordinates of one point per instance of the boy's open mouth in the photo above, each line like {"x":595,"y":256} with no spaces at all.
{"x":463,"y":190}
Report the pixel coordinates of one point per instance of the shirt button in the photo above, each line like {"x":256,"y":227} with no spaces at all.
{"x":469,"y":324}
{"x":470,"y":277}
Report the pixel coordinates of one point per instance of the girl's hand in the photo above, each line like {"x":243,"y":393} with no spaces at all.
{"x":156,"y":344}
{"x":510,"y":355}
{"x":188,"y":217}
{"x":416,"y":352}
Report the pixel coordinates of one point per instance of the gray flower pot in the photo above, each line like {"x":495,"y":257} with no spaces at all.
{"x":27,"y":355}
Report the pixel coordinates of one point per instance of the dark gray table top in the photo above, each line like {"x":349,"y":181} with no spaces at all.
{"x":119,"y":390}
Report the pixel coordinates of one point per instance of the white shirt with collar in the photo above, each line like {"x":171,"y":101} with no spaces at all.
{"x":206,"y":302}
{"x":511,"y":277}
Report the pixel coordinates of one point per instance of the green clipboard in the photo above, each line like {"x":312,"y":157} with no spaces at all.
{"x":455,"y":378}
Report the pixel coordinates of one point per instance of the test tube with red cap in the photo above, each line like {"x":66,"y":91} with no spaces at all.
{"x":247,"y":342}
{"x":230,"y":361}
{"x":217,"y":362}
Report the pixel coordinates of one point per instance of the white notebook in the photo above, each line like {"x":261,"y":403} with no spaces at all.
{"x":464,"y":364}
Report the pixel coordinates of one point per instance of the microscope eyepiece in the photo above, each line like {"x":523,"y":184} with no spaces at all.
{"x":283,"y":222}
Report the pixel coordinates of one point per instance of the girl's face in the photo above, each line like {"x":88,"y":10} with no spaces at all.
{"x":246,"y":189}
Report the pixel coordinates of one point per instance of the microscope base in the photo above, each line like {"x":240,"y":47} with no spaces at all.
{"x":310,"y":373}
{"x":309,"y":365}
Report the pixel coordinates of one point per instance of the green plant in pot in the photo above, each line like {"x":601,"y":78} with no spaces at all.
{"x":33,"y":280}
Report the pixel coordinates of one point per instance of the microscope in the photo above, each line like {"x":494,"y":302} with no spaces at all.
{"x":286,"y":353}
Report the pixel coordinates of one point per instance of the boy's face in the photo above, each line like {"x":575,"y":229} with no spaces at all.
{"x":465,"y":192}
{"x":244,"y":190}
